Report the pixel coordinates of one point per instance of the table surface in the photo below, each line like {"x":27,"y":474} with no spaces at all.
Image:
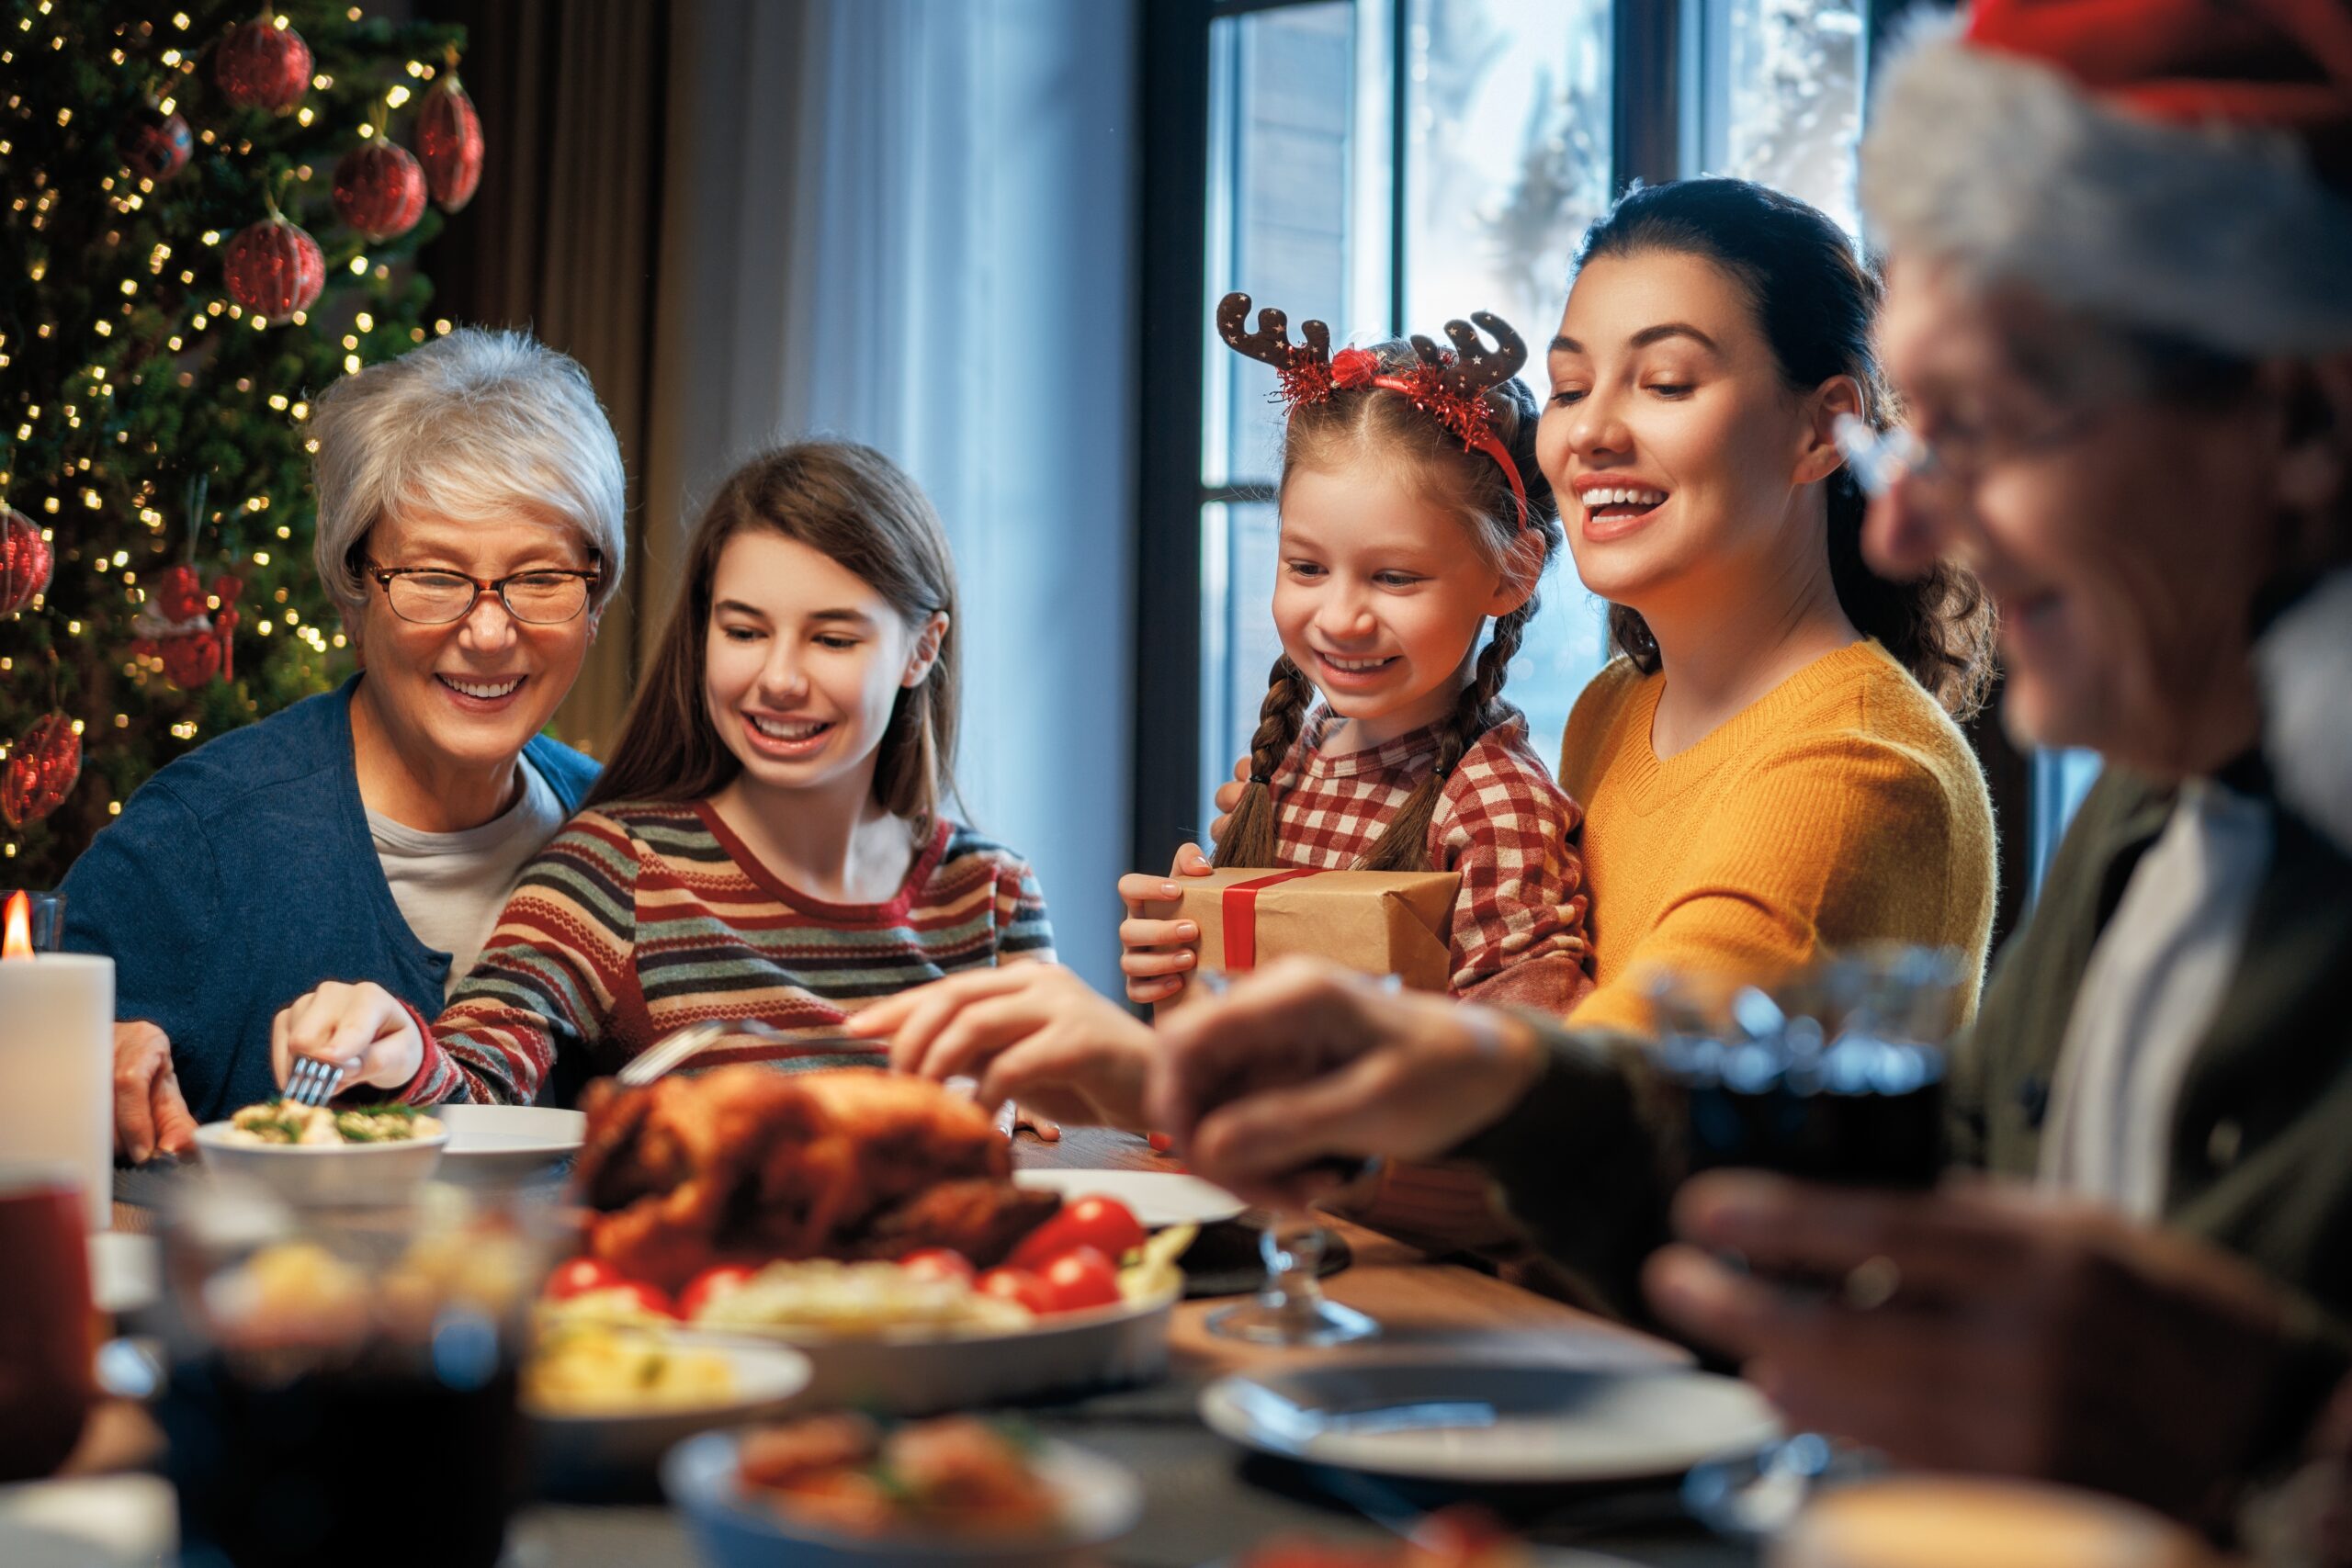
{"x":1206,"y":1499}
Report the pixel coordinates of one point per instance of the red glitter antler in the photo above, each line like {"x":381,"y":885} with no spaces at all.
{"x":1304,"y":368}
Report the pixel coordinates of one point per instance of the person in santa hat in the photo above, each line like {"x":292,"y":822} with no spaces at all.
{"x":2119,"y":314}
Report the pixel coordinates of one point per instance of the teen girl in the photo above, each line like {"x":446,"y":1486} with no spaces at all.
{"x":768,"y":842}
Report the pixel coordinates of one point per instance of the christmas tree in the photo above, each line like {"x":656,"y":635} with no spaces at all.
{"x":165,"y":316}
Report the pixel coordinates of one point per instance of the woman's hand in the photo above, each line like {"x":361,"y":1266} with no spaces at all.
{"x":150,"y":1115}
{"x":1985,"y":1328}
{"x":1303,"y":1062}
{"x":363,"y":1028}
{"x":1156,"y":956}
{"x":1034,"y":1032}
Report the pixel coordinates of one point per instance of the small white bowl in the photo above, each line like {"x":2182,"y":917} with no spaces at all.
{"x":326,"y":1173}
{"x":733,"y":1529}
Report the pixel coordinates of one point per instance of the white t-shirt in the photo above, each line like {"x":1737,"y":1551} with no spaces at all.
{"x":2154,"y":980}
{"x":452,"y":886}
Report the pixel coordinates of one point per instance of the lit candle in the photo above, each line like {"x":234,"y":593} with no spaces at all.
{"x":57,"y":1061}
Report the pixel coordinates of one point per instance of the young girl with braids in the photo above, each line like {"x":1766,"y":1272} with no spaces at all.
{"x":1413,"y":515}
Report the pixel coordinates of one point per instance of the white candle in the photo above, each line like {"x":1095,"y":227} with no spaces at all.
{"x":57,"y":1070}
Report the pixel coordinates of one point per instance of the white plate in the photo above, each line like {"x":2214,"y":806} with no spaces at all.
{"x":508,"y":1142}
{"x":124,"y":1269}
{"x":923,"y":1373}
{"x":1496,"y":1421}
{"x":570,"y":1443}
{"x":1158,"y":1197}
{"x":1101,"y":1502}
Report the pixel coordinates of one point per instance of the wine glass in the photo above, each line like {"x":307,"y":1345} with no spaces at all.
{"x":1835,"y":1074}
{"x":1290,"y":1308}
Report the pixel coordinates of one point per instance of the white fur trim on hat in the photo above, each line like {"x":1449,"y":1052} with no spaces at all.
{"x":2306,"y":662}
{"x":2003,"y":166}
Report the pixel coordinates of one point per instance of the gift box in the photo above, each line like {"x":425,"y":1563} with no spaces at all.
{"x":1382,"y":922}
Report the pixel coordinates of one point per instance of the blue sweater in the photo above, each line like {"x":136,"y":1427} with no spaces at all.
{"x":241,"y":875}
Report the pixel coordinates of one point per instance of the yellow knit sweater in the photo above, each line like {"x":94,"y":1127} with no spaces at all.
{"x":1844,"y":806}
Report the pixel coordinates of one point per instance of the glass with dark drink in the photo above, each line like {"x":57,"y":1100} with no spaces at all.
{"x":45,"y":1341}
{"x":343,"y":1387}
{"x":1837,"y":1075}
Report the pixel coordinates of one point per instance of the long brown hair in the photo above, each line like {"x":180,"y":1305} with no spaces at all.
{"x":1816,"y":304}
{"x":1374,"y":430}
{"x":856,"y":507}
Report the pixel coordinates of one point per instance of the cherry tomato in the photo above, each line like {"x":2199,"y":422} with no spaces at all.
{"x":1161,"y":1144}
{"x":1082,"y":1277}
{"x":1018,"y":1285}
{"x":580,"y":1275}
{"x":938,"y":1263}
{"x":713,"y":1281}
{"x":1107,"y":1226}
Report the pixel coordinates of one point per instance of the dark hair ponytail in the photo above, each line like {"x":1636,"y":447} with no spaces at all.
{"x":1816,"y":303}
{"x":1369,"y":420}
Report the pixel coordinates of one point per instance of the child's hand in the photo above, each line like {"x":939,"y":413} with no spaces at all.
{"x":363,"y":1028}
{"x":1228,"y":796}
{"x":1156,"y":956}
{"x":1031,"y":1032}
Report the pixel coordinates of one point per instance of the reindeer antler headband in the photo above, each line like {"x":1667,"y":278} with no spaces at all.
{"x":1450,"y":385}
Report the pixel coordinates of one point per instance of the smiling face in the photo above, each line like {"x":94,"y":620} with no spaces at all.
{"x":1379,"y":597}
{"x":468,"y":696}
{"x":1685,"y":464}
{"x":803,"y":663}
{"x":2123,"y":539}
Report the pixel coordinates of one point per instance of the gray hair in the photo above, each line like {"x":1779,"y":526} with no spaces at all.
{"x":471,"y":425}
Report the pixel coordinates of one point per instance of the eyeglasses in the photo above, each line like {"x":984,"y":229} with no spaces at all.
{"x":429,"y":596}
{"x":1881,"y":459}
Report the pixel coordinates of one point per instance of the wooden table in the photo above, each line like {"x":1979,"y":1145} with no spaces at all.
{"x":1203,"y":1498}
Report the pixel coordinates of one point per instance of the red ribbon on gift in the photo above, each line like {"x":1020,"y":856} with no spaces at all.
{"x":1240,"y":904}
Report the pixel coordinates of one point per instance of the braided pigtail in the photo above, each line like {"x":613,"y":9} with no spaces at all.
{"x":1250,"y":838}
{"x":1404,"y":844}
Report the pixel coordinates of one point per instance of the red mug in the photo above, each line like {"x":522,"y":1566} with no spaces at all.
{"x":46,"y":1350}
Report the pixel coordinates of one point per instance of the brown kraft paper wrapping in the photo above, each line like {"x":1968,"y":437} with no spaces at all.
{"x":1381,"y":922}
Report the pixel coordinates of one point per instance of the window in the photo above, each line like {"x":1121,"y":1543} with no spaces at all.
{"x":1384,"y":166}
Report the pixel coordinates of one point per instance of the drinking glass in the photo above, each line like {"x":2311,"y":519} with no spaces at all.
{"x":328,"y":1363}
{"x":46,"y":1350}
{"x":1835,"y":1074}
{"x":1290,"y":1308}
{"x":46,"y":912}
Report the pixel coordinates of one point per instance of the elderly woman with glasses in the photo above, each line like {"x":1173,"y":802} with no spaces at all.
{"x":471,"y":527}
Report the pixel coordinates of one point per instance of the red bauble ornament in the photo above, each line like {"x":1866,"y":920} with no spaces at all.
{"x":41,"y":769}
{"x":273,"y":269}
{"x":179,"y":594}
{"x":448,"y":138}
{"x":189,"y":661}
{"x":380,"y":190}
{"x":24,"y":562}
{"x":264,"y":64}
{"x":159,"y":147}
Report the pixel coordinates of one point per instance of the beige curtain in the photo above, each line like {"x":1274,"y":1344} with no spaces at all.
{"x":562,"y":241}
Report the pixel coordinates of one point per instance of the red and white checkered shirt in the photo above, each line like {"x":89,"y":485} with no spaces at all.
{"x":1519,"y":924}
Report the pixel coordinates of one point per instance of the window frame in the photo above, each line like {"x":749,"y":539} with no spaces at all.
{"x":1655,"y":132}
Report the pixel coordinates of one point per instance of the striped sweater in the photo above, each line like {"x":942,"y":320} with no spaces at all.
{"x":639,"y":918}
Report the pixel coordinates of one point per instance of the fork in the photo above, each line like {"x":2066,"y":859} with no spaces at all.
{"x":314,"y":1082}
{"x":673,"y":1049}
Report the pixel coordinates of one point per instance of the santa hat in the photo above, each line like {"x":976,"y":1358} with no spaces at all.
{"x":2181,"y":165}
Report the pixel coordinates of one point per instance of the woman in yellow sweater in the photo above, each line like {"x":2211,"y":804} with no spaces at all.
{"x":1770,"y":768}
